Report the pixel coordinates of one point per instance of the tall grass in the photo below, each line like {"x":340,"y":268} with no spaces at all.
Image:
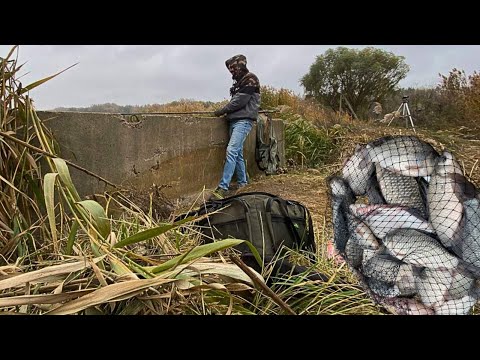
{"x":61,"y":254}
{"x":21,"y":197}
{"x":307,"y":145}
{"x":60,"y":242}
{"x":182,"y":105}
{"x":311,"y":131}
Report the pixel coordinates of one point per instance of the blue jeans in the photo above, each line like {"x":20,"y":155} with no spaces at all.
{"x":238,"y":130}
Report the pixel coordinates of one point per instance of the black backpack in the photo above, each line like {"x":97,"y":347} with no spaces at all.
{"x":267,"y":221}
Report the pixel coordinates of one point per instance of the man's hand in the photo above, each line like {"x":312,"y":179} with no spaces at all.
{"x":218,"y":113}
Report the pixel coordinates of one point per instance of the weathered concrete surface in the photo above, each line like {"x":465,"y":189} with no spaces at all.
{"x":184,"y":152}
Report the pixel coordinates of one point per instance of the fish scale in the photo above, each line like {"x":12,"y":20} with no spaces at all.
{"x":400,"y":190}
{"x":382,"y":267}
{"x":416,"y":248}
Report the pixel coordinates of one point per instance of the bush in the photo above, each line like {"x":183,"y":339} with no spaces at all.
{"x":306,"y":145}
{"x":272,"y":98}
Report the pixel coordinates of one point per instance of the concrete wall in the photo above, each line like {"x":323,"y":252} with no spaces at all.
{"x":184,"y":152}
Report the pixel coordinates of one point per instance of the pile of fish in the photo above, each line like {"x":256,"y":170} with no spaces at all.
{"x":407,"y":222}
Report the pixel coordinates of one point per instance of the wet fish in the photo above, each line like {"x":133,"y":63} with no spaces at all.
{"x":361,"y":234}
{"x":382,"y":288}
{"x":458,"y":285}
{"x":382,"y":267}
{"x":447,"y":189}
{"x":417,"y":248}
{"x":382,"y":219}
{"x":430,"y":289}
{"x":357,"y":170}
{"x":423,"y":189}
{"x":353,"y":253}
{"x":340,"y":226}
{"x":460,"y":306}
{"x":470,"y":239}
{"x":368,"y":254}
{"x":400,"y":190}
{"x":405,"y":155}
{"x":405,"y":280}
{"x":339,"y":188}
{"x":341,"y":197}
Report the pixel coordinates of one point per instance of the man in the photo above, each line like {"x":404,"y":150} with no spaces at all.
{"x":241,"y":112}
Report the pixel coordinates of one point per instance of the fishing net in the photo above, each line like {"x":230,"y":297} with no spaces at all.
{"x":407,"y":222}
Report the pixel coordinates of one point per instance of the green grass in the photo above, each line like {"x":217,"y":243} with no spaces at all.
{"x":307,"y":145}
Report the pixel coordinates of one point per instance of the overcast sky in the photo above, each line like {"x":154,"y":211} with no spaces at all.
{"x":146,"y":74}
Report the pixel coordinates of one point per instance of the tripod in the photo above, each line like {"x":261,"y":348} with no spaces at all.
{"x":404,"y":112}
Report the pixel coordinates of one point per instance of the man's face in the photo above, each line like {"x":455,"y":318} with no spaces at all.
{"x":232,"y":69}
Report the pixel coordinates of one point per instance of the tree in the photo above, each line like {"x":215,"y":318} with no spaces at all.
{"x":362,"y":76}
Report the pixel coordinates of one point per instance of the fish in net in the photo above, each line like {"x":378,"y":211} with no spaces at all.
{"x":407,"y":222}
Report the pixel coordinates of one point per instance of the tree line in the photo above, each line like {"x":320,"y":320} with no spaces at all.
{"x":351,"y":80}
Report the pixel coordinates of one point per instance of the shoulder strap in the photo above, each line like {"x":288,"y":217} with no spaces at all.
{"x":309,"y":242}
{"x":268,"y":214}
{"x":310,"y":232}
{"x":283,"y":209}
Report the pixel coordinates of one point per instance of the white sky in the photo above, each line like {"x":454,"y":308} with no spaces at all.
{"x":146,"y":74}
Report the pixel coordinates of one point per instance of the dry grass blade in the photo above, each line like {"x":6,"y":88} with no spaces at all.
{"x":49,"y":193}
{"x":40,"y":82}
{"x":22,"y":203}
{"x":107,"y":294}
{"x":229,"y":270}
{"x":10,"y":53}
{"x":121,"y":269}
{"x":11,"y":185}
{"x":45,"y":273}
{"x":42,"y":299}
